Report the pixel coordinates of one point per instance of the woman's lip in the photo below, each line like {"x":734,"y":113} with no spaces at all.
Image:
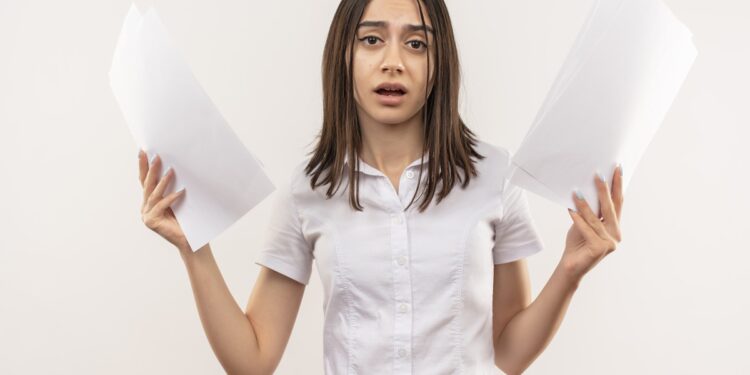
{"x":390,"y":100}
{"x":391,"y":86}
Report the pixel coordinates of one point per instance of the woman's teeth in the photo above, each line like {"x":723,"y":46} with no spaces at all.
{"x":390,"y":92}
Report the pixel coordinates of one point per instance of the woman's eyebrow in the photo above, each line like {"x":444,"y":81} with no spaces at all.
{"x":384,"y":24}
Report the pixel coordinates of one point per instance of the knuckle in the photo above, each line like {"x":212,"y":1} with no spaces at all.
{"x":604,"y":244}
{"x":611,"y":245}
{"x":149,"y":221}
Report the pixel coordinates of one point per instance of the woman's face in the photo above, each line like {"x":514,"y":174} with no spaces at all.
{"x":390,"y":61}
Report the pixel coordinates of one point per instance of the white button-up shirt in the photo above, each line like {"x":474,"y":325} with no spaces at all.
{"x":405,"y":292}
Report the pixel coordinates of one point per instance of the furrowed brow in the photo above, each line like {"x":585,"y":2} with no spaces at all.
{"x":412,"y":28}
{"x":381,"y":24}
{"x":384,"y":24}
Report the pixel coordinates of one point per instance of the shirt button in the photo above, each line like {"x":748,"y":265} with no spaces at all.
{"x":395,"y":219}
{"x":403,"y":307}
{"x":402,"y":352}
{"x":401,"y":260}
{"x":409,"y":174}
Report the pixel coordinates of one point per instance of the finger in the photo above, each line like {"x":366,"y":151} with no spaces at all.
{"x":166,"y":202}
{"x":606,"y":206}
{"x":583,"y":226}
{"x":142,"y":166}
{"x":158,"y":192}
{"x":151,"y":178}
{"x":617,"y":195}
{"x":585,"y":211}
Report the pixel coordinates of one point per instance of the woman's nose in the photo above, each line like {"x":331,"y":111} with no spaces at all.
{"x":392,"y":60}
{"x":393,"y":68}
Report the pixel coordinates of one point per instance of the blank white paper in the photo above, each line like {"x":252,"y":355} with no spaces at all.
{"x":169,"y":114}
{"x":609,"y":99}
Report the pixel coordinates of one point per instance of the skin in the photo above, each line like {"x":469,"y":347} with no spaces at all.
{"x":253,"y":341}
{"x":522,"y":329}
{"x":391,"y":135}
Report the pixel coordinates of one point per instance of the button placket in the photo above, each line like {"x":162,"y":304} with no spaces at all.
{"x":402,"y":294}
{"x":402,"y":352}
{"x":407,"y":184}
{"x":401,"y":260}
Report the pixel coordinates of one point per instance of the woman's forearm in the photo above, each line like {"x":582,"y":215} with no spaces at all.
{"x":529,"y":332}
{"x":228,"y":329}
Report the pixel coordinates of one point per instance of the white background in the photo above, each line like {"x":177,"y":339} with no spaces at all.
{"x":86,"y":288}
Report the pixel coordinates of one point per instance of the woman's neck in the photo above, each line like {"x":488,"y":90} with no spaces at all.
{"x":391,"y":147}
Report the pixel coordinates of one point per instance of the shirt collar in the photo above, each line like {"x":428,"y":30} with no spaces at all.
{"x":368,"y":169}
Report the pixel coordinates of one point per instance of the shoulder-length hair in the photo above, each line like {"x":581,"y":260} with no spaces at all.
{"x":449,"y":142}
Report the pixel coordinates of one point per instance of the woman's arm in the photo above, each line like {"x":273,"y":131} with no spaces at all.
{"x":591,"y":238}
{"x":245,"y":343}
{"x":251,"y":342}
{"x":528,"y":332}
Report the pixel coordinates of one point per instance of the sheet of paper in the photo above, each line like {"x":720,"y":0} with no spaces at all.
{"x":592,"y":32}
{"x":169,"y":114}
{"x":609,"y":99}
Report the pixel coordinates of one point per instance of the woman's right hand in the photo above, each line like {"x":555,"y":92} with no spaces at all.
{"x":156,"y":212}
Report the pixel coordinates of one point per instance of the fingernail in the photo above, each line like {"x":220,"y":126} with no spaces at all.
{"x":571,"y":210}
{"x":600,"y":177}
{"x":140,"y":153}
{"x":620,"y":166}
{"x":579,"y":195}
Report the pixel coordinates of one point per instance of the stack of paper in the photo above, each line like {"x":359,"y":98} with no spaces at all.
{"x":169,"y":114}
{"x":609,"y":99}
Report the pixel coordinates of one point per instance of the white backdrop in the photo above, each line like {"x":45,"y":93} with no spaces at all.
{"x":86,"y":288}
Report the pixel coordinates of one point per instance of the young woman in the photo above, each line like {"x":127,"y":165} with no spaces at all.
{"x":421,"y":253}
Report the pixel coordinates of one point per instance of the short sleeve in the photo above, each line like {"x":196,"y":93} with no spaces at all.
{"x":516,"y":236}
{"x":284,"y":248}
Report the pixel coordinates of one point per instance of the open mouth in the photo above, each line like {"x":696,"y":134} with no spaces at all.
{"x":390,"y":92}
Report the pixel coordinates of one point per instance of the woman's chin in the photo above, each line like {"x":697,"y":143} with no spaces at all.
{"x":391,"y":115}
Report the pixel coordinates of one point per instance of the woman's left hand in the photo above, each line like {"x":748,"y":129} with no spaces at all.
{"x":592,"y":237}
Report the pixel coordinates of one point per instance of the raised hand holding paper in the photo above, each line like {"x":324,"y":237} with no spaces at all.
{"x":169,"y":114}
{"x":608,"y":101}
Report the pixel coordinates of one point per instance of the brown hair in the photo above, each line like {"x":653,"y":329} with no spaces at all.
{"x":449,"y":141}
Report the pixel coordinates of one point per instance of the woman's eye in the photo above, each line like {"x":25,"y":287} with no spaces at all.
{"x":416,"y":44}
{"x":370,"y":40}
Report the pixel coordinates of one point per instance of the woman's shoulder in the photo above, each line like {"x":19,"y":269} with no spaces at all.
{"x":300,"y":182}
{"x":497,"y":159}
{"x":298,"y":177}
